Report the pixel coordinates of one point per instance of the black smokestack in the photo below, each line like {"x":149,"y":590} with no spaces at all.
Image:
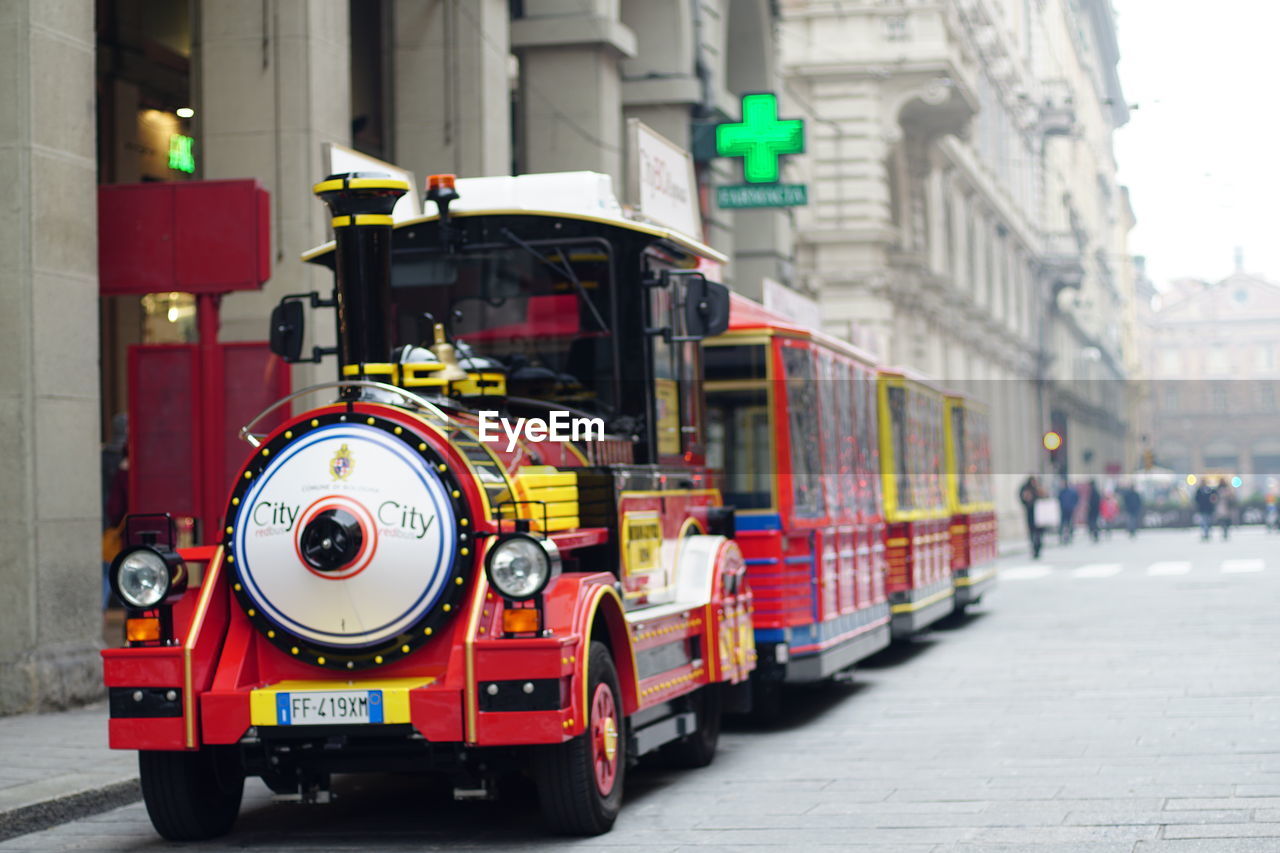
{"x":361,"y":204}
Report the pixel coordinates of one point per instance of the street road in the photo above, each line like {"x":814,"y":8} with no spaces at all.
{"x":1113,"y":697}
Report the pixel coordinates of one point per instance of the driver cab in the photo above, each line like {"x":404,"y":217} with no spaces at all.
{"x":536,"y":313}
{"x":599,"y":316}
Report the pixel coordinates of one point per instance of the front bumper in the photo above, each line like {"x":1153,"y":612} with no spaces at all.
{"x":514,"y":692}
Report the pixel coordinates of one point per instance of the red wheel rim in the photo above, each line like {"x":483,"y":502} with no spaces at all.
{"x":604,"y":738}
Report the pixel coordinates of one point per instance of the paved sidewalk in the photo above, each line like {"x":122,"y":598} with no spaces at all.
{"x":57,"y":767}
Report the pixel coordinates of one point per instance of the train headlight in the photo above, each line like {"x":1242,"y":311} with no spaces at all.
{"x":146,"y":576}
{"x":519,"y":566}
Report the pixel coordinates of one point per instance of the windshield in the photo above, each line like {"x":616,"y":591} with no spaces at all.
{"x":536,"y":310}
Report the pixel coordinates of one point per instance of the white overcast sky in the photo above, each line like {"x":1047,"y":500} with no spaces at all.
{"x":1201,"y":153}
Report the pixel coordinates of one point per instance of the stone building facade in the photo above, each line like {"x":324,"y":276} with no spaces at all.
{"x":963,"y":220}
{"x":474,"y":87}
{"x":965,"y":206}
{"x":1210,"y":351}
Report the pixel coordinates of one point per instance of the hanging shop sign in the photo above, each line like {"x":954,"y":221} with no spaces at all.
{"x":660,"y":181}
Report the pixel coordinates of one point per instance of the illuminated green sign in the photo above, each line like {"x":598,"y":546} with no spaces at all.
{"x":181,"y":156}
{"x":760,"y":138}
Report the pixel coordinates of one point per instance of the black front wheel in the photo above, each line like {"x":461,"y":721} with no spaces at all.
{"x":580,"y":781}
{"x":192,"y":796}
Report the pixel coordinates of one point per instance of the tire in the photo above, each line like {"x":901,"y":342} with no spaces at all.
{"x":579,"y":783}
{"x":192,"y":796}
{"x":699,"y":748}
{"x":766,"y":701}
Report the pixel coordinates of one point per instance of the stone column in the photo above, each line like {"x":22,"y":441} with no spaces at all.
{"x":960,"y":247}
{"x":570,"y":88}
{"x":269,"y":90}
{"x":50,"y":513}
{"x":452,"y":102}
{"x":936,"y":190}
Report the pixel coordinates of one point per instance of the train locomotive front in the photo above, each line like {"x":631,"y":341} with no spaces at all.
{"x":395,"y":590}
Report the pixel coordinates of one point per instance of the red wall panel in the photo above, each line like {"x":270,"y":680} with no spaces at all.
{"x":163,"y":429}
{"x":196,"y":236}
{"x":253,"y":378}
{"x":135,"y":238}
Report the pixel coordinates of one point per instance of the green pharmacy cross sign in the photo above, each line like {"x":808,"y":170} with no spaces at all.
{"x":760,"y":139}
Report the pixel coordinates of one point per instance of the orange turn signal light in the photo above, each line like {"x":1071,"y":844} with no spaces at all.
{"x":435,"y":182}
{"x":142,"y":630}
{"x":525,"y":620}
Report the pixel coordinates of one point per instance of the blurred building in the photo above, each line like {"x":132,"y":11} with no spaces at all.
{"x":126,"y":91}
{"x":1211,"y":352}
{"x":965,"y":207}
{"x":963,"y":215}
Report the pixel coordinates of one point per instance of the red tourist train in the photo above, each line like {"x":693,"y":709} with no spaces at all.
{"x":521,"y":531}
{"x":792,"y":413}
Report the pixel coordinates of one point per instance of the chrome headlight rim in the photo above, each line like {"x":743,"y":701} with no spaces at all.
{"x":546,"y":548}
{"x":171,"y":569}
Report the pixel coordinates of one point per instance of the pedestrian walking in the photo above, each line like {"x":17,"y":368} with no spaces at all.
{"x":1068,"y":500}
{"x":1093,"y":510}
{"x":115,"y":498}
{"x":1028,"y":494}
{"x":1132,"y":504}
{"x":1206,"y":499}
{"x":1226,"y":506}
{"x":1110,"y":512}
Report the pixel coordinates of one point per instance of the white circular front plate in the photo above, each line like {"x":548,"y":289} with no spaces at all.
{"x":408,"y":537}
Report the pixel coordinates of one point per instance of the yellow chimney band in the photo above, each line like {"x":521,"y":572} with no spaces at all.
{"x":362,"y":219}
{"x":360,"y":184}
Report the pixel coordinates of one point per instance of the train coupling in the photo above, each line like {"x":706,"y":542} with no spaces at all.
{"x":475,"y":787}
{"x":311,"y":789}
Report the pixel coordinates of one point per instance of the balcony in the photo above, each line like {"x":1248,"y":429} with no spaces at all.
{"x":1061,"y":265}
{"x":1056,"y":120}
{"x":918,"y":54}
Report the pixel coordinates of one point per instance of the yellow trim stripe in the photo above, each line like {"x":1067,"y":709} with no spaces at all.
{"x":361,"y":219}
{"x":971,"y":580}
{"x":912,"y":606}
{"x":360,"y":184}
{"x":586,"y":648}
{"x":189,"y":644}
{"x":470,"y":700}
{"x":395,"y":696}
{"x":369,"y":368}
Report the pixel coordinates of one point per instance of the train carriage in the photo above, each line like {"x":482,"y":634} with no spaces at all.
{"x":969,"y":499}
{"x":792,"y":428}
{"x":917,"y":537}
{"x":406,"y":582}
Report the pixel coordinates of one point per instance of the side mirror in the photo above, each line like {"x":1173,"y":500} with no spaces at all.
{"x":706,"y":308}
{"x":288,"y":323}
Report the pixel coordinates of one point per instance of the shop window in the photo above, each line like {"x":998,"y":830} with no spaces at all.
{"x":168,"y":318}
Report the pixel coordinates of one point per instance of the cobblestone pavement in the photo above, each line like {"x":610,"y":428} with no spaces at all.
{"x":1121,"y":697}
